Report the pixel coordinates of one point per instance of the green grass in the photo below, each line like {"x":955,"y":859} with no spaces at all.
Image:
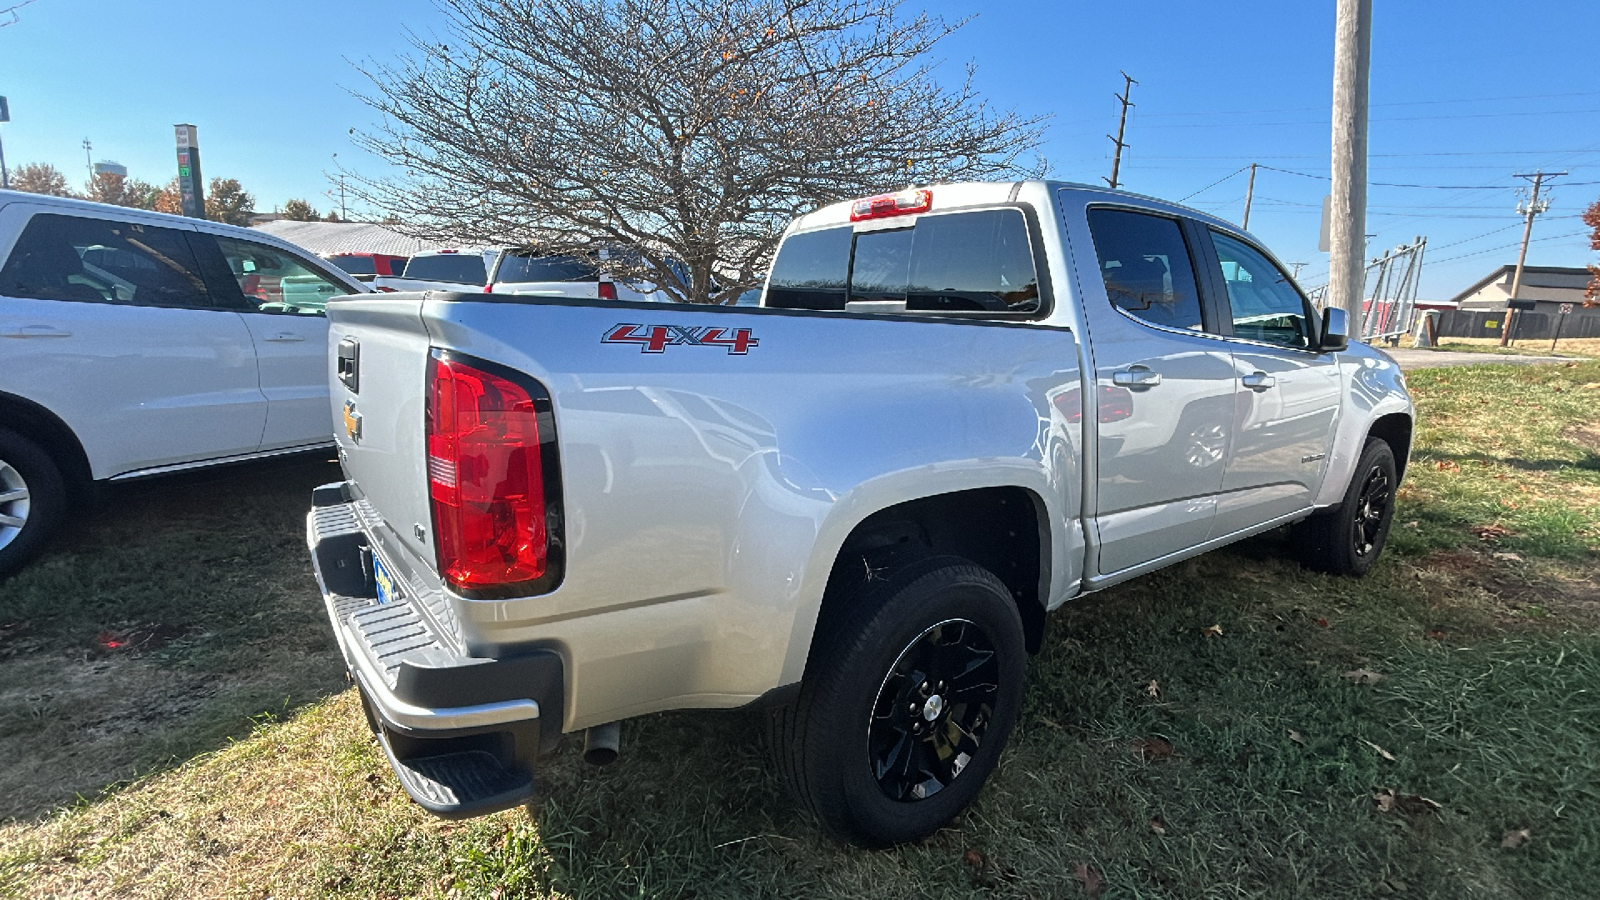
{"x":1489,"y":704}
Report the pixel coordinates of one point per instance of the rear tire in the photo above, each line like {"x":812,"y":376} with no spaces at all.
{"x":906,"y":705}
{"x":32,"y":499}
{"x":1348,"y":540}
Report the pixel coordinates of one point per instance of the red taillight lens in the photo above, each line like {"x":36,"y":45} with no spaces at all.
{"x":905,"y":203}
{"x":608,"y":290}
{"x":487,"y":482}
{"x":385,"y":289}
{"x":488,"y":288}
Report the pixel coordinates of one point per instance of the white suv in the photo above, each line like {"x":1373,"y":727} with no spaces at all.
{"x":134,"y":343}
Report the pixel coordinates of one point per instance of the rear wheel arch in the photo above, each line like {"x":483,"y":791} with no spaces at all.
{"x":52,"y":435}
{"x":1005,"y":530}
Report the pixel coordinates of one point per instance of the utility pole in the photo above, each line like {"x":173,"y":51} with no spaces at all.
{"x":1532,"y":208}
{"x":1249,"y":192}
{"x":88,"y":160}
{"x":1297,"y":267}
{"x":1352,"y":62}
{"x":1122,"y":125}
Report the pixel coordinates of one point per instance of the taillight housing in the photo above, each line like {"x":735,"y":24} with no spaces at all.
{"x":494,"y":482}
{"x":905,"y":203}
{"x":608,"y":290}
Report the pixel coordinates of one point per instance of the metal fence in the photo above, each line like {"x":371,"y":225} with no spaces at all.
{"x":1389,"y":292}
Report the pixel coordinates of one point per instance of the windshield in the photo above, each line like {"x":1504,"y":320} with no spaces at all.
{"x":520,"y":269}
{"x":356,"y":265}
{"x":465,"y":268}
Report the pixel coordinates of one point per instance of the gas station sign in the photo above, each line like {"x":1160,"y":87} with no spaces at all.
{"x":190,"y":187}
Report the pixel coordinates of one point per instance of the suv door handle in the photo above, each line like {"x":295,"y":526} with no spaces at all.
{"x":284,"y":338}
{"x":33,"y":331}
{"x":1258,"y":381}
{"x":1136,"y":376}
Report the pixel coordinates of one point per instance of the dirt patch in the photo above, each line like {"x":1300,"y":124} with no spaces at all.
{"x":1585,"y":435}
{"x":1514,"y":592}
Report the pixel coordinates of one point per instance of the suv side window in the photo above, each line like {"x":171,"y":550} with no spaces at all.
{"x":102,"y":261}
{"x":1146,"y":266}
{"x":272,"y":281}
{"x":1266,"y":306}
{"x":978,"y":261}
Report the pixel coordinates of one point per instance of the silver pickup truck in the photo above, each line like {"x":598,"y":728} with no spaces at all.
{"x":956,"y":409}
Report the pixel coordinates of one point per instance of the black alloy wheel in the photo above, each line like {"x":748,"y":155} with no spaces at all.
{"x":1348,"y":539}
{"x":933,"y":710}
{"x":911,"y":688}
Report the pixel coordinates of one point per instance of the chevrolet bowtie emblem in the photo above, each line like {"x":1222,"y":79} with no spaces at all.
{"x":352,"y":421}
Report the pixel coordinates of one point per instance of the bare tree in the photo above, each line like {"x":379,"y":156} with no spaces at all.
{"x":40,"y":178}
{"x":691,"y":129}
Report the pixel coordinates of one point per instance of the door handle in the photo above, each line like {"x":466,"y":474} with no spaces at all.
{"x":33,"y":331}
{"x":1136,"y":376}
{"x":1258,"y":381}
{"x":284,"y":338}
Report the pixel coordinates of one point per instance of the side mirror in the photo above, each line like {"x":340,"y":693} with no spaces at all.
{"x":1335,"y":330}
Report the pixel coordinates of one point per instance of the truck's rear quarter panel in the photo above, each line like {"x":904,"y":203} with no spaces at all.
{"x":706,"y":493}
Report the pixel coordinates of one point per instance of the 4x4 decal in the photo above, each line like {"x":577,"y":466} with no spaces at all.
{"x":657,"y":338}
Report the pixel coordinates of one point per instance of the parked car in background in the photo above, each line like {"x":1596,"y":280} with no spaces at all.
{"x":957,"y":408}
{"x":440,"y":270}
{"x":528,"y":272}
{"x":367,"y":266}
{"x":134,"y":343}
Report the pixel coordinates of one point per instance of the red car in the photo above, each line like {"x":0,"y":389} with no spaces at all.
{"x":366,"y":266}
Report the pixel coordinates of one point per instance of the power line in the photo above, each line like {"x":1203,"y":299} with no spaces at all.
{"x":1555,"y":237}
{"x":1214,"y":183}
{"x":1227,"y":112}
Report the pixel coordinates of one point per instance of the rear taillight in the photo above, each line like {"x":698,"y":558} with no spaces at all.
{"x":488,"y":289}
{"x":492,"y":480}
{"x":385,"y":289}
{"x":608,"y":290}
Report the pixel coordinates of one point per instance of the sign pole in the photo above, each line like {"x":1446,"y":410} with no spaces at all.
{"x":1561,"y":319}
{"x":190,"y":188}
{"x":5,"y":116}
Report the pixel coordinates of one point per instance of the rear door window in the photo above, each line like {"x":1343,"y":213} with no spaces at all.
{"x":971,"y":262}
{"x":464,"y":268}
{"x":1145,"y":263}
{"x":102,"y":261}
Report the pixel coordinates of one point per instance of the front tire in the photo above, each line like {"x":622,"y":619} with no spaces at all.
{"x":32,"y":499}
{"x":1348,"y":540}
{"x":906,"y":704}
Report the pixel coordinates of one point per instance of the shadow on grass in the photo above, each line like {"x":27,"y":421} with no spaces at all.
{"x":159,"y":625}
{"x":1268,"y":789}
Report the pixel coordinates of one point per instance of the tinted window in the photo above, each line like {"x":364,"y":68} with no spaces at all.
{"x":356,"y":265}
{"x":1266,"y":307}
{"x":519,"y":269}
{"x":959,"y":262}
{"x":274,"y":281}
{"x":465,"y":268}
{"x":811,"y":270}
{"x":100,"y":261}
{"x":1146,"y":267}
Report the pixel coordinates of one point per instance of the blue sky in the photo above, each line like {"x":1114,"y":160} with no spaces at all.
{"x":1464,"y":94}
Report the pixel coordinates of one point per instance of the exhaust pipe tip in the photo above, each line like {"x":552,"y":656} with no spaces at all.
{"x":601,"y":744}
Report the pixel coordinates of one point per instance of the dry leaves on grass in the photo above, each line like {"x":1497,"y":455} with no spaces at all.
{"x":1388,"y":800}
{"x":1158,"y":826}
{"x":1153,"y":749}
{"x":1515,"y":838}
{"x":1379,"y":750}
{"x":1492,"y":532}
{"x":1153,"y":690}
{"x":1297,"y":737}
{"x":1447,"y":465}
{"x":1211,"y":631}
{"x":1091,"y":879}
{"x":1363,"y":676}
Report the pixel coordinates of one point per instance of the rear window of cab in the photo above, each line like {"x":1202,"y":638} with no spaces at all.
{"x":974,"y":262}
